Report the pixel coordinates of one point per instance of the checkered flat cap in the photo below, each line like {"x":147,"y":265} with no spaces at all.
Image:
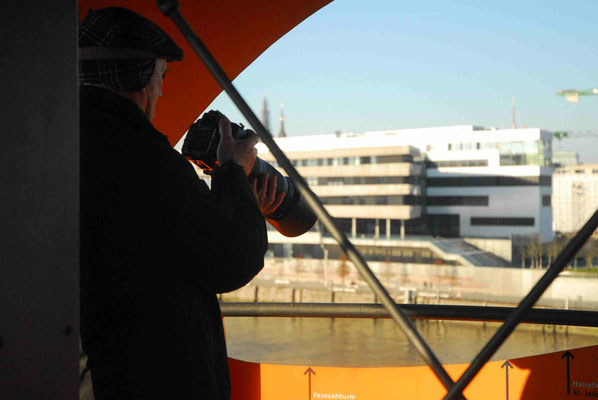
{"x":118,"y":48}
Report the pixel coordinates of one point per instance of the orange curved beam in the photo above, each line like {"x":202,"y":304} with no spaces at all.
{"x":236,"y":32}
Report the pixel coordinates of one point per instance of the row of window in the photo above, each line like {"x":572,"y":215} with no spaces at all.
{"x":479,"y":201}
{"x":525,"y":159}
{"x":355,"y":160}
{"x":514,"y":147}
{"x":490,"y":181}
{"x":473,"y":146}
{"x":457,"y":163}
{"x":438,"y":224}
{"x":407,"y":200}
{"x":501,"y":221}
{"x":452,"y":181}
{"x":457,"y":200}
{"x":577,"y":171}
{"x":359,"y":180}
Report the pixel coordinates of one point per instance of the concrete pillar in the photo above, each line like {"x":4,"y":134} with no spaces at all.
{"x":354,"y":227}
{"x":39,"y":160}
{"x":402,"y":229}
{"x":377,"y":230}
{"x":388,"y":228}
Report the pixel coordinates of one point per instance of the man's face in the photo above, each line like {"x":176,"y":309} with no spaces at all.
{"x":154,"y":88}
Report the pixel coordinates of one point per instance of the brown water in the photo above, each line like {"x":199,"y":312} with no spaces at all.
{"x":380,"y":342}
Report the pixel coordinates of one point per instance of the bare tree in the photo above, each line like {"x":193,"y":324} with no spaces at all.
{"x":540,"y":253}
{"x":552,"y":250}
{"x":590,"y":251}
{"x":534,"y":250}
{"x":524,"y":250}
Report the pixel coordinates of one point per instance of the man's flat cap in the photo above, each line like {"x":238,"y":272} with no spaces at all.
{"x":118,"y":49}
{"x":115,"y":33}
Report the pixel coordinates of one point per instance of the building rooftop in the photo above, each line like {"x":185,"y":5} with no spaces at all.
{"x":415,"y":137}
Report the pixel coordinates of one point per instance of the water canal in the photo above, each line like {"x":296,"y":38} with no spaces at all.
{"x":353,"y":342}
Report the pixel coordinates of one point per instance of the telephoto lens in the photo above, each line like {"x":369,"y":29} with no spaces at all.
{"x":293,"y":217}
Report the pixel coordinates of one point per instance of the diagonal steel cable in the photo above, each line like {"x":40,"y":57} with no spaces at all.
{"x":170,"y":8}
{"x":524,"y":306}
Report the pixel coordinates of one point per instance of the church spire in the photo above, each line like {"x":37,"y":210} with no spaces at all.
{"x":282,"y":133}
{"x":265,"y":114}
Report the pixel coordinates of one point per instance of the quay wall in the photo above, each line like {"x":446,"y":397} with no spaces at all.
{"x":335,"y":281}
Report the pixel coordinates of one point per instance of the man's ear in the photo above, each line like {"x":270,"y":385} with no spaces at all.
{"x":143,"y":97}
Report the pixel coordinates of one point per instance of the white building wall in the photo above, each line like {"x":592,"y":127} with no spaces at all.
{"x":443,"y":144}
{"x":575,"y":196}
{"x":503,"y":201}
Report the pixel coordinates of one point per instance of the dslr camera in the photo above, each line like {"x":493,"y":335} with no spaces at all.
{"x":293,"y":217}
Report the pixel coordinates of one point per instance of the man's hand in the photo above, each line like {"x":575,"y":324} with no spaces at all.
{"x":241,"y":151}
{"x":266,"y":198}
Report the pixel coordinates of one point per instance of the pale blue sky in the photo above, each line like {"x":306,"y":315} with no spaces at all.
{"x":358,"y":66}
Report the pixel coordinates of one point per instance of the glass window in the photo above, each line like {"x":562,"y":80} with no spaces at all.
{"x":457,"y":200}
{"x":501,"y":221}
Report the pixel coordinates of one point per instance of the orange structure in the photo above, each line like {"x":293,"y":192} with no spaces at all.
{"x":570,"y":374}
{"x":235,"y":32}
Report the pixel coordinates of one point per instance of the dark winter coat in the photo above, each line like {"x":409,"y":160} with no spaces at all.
{"x":157,"y":245}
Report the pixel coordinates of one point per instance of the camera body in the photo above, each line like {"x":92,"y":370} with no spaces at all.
{"x":293,"y":217}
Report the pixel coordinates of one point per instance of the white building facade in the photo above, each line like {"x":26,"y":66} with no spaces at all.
{"x":575,"y":196}
{"x":459,"y":181}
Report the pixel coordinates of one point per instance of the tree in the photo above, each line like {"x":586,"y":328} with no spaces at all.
{"x":552,"y":250}
{"x":540,"y":253}
{"x":524,"y":250}
{"x":590,"y":251}
{"x":533,"y":250}
{"x":536,"y":252}
{"x":343,"y":268}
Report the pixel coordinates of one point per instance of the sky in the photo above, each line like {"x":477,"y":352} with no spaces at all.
{"x":357,"y":66}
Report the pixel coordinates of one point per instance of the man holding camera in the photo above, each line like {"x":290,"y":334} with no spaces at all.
{"x":157,"y":244}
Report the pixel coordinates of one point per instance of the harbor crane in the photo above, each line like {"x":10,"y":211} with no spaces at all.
{"x":572,"y":95}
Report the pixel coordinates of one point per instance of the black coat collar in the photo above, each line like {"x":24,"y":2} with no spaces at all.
{"x":119,"y":107}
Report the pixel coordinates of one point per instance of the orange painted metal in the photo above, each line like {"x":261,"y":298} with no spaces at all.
{"x":236,"y":32}
{"x":545,"y":376}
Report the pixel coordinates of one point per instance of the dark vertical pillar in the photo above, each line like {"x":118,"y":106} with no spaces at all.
{"x":39,"y":200}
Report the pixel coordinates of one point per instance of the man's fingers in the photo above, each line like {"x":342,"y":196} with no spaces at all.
{"x":226,"y":133}
{"x":277,"y":202}
{"x":251,"y":137}
{"x":266,"y":196}
{"x":261,"y":193}
{"x":271,"y":193}
{"x":274,"y":200}
{"x":263,"y":189}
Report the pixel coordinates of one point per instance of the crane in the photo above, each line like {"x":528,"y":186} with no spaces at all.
{"x":589,"y":133}
{"x":572,"y":95}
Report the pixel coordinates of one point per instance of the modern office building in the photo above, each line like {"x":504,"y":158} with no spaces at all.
{"x":574,"y":196}
{"x":460,"y":181}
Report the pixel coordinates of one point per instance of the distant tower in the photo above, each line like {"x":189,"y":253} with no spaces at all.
{"x":282,"y":133}
{"x":265,"y":114}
